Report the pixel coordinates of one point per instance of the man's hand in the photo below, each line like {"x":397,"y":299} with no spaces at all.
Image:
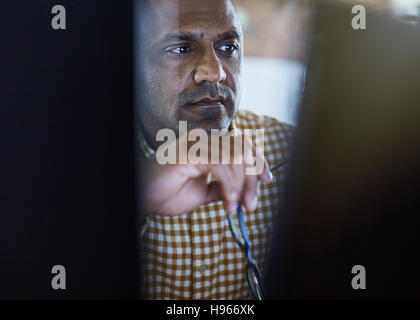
{"x":172,"y":190}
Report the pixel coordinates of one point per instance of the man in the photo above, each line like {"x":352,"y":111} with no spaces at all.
{"x":189,"y":57}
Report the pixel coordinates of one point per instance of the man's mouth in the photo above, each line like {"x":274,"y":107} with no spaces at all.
{"x":208,"y":103}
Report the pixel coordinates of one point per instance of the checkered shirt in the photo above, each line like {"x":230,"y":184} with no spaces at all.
{"x":194,"y":255}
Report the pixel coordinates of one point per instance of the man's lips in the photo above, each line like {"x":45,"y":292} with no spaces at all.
{"x":208,"y":103}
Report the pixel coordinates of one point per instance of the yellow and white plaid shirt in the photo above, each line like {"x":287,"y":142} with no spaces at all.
{"x":195,"y":256}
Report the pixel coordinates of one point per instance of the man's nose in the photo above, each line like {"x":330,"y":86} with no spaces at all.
{"x":209,"y":68}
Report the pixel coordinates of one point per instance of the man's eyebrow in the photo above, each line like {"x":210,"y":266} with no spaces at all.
{"x":229,"y":35}
{"x":191,"y":36}
{"x":181,"y":36}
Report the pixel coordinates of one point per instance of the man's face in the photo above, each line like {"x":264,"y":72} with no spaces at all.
{"x":190,"y":64}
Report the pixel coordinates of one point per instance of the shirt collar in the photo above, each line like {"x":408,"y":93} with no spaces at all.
{"x":142,"y":144}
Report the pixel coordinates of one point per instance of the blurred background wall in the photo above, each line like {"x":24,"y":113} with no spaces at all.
{"x":275,"y":41}
{"x":274,"y":56}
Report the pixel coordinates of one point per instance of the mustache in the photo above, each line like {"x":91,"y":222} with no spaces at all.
{"x":206,"y":90}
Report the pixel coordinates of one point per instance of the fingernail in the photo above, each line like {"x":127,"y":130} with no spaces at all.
{"x":268,"y":176}
{"x":233,"y":207}
{"x":253,"y":203}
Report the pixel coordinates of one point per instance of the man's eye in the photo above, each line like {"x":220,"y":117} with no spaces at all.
{"x":180,"y":50}
{"x":228,"y":48}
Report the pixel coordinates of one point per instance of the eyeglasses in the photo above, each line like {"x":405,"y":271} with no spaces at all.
{"x":252,"y":271}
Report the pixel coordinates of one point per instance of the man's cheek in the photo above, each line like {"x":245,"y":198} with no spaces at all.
{"x":233,"y":79}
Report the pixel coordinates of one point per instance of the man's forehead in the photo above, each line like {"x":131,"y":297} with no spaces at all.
{"x":203,"y":17}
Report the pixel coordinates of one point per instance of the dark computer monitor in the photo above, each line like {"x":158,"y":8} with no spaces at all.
{"x":352,"y":195}
{"x":67,"y":157}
